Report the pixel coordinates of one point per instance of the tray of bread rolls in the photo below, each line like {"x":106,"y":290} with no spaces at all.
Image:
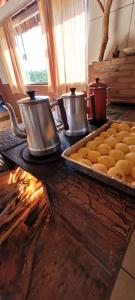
{"x":107,"y":154}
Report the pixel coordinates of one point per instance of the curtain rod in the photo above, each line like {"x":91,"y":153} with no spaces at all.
{"x":27,"y":6}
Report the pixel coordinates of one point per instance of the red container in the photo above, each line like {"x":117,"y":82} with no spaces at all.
{"x":97,"y":103}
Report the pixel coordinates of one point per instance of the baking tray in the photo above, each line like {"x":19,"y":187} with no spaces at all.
{"x":124,"y":187}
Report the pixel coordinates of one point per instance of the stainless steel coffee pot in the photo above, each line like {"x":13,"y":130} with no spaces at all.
{"x":39,"y":126}
{"x":76,"y":111}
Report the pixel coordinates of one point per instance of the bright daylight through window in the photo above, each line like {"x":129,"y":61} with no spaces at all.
{"x":32,"y":50}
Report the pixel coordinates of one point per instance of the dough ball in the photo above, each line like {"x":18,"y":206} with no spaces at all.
{"x":115,"y":126}
{"x":83,"y":151}
{"x":129,"y":140}
{"x":99,"y":168}
{"x":132,"y":134}
{"x":111,"y":141}
{"x":76,"y":156}
{"x":132,"y":129}
{"x":125,"y":166}
{"x":91,"y":145}
{"x":131,"y":148}
{"x":121,"y":135}
{"x":130,"y":156}
{"x":133,"y":172}
{"x":106,"y":160}
{"x":85,"y":161}
{"x":104,"y":134}
{"x":99,"y":140}
{"x":123,"y":147}
{"x":117,"y":154}
{"x":123,"y":127}
{"x":111,"y":131}
{"x":104,"y":149}
{"x":116,"y":173}
{"x":93,"y":156}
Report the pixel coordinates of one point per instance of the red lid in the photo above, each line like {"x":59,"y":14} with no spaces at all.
{"x":98,"y":84}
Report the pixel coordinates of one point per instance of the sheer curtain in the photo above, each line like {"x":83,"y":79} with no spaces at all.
{"x":66,"y":38}
{"x":10,"y":59}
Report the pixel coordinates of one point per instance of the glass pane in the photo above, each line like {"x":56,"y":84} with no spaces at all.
{"x":32,"y":55}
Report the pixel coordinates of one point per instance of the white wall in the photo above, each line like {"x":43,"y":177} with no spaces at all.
{"x":121,"y":28}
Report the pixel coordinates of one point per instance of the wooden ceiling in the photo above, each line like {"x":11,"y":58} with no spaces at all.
{"x":3,"y":2}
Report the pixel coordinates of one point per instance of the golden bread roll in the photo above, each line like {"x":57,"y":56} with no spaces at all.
{"x":121,"y":135}
{"x":106,"y":160}
{"x":123,"y":127}
{"x":93,"y":156}
{"x":131,"y":148}
{"x":125,"y":166}
{"x":129,"y":140}
{"x":117,"y":154}
{"x":99,"y":168}
{"x":116,"y":137}
{"x":91,"y":145}
{"x":111,"y":141}
{"x":132,"y":134}
{"x":76,"y":156}
{"x":99,"y":140}
{"x":83,"y":151}
{"x":85,"y":161}
{"x":133,"y":172}
{"x":130,"y":156}
{"x":123,"y":147}
{"x":104,"y":134}
{"x":104,"y":149}
{"x":111,"y":131}
{"x":115,"y":126}
{"x":132,"y":129}
{"x":116,"y":173}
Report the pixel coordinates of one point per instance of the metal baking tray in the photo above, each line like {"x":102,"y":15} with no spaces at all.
{"x":122,"y":186}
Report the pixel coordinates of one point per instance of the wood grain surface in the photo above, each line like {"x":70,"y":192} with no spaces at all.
{"x":79,"y":256}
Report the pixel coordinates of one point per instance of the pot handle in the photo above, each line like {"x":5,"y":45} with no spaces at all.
{"x":59,"y":102}
{"x":92,"y":100}
{"x":63,"y":113}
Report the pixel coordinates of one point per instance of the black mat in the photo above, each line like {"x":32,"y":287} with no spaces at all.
{"x":8,"y":140}
{"x":40,"y":160}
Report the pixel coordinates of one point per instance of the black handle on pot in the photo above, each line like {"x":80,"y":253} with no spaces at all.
{"x":72,"y":91}
{"x":31,"y":94}
{"x":63,"y":113}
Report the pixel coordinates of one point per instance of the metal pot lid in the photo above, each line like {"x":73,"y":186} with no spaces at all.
{"x":97,"y":84}
{"x":37,"y":99}
{"x":73,"y":93}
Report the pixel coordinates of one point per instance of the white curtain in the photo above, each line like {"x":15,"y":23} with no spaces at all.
{"x":64,"y":24}
{"x":69,"y":18}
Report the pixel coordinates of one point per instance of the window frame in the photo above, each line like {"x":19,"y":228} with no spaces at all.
{"x":19,"y":18}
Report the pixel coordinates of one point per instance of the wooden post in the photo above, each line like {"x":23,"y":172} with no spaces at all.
{"x":105,"y":26}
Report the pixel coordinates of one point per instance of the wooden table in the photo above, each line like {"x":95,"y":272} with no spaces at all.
{"x":81,"y":254}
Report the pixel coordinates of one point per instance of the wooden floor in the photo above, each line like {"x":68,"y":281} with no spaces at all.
{"x":4,"y":120}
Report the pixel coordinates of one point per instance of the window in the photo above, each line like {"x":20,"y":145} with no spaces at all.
{"x":31,"y":48}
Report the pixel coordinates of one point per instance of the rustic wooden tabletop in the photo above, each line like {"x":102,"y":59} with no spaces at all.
{"x":80,"y":253}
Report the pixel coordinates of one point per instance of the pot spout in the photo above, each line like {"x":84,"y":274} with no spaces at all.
{"x":17,"y":129}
